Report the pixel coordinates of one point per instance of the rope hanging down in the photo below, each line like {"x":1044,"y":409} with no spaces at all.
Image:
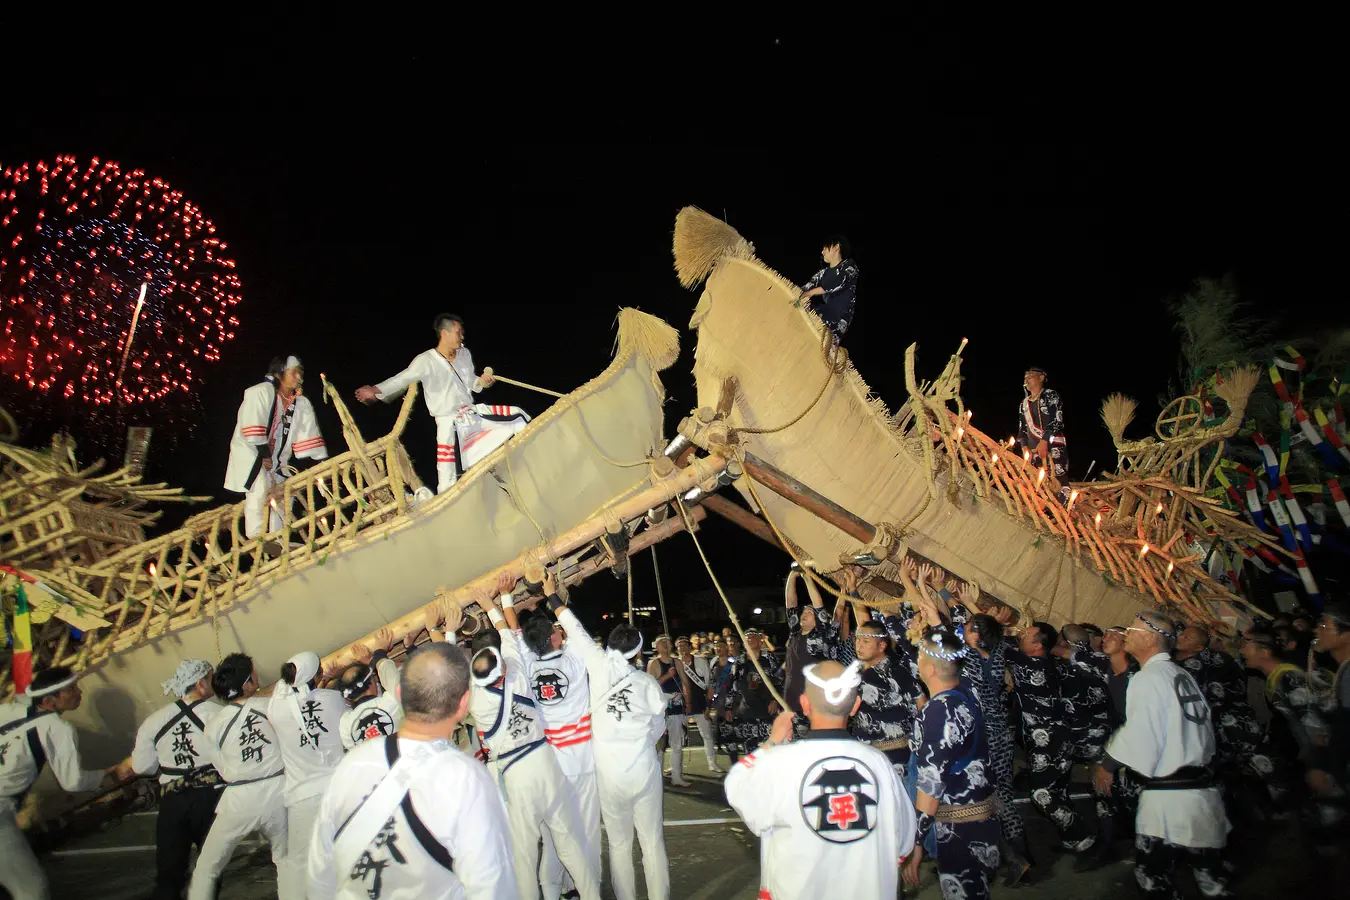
{"x":661,"y":597}
{"x":833,"y":366}
{"x":689,"y":527}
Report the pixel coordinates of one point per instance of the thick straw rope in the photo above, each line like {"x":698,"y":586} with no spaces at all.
{"x":833,"y":367}
{"x":689,"y":527}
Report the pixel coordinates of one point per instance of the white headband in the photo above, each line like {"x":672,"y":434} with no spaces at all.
{"x":190,"y":671}
{"x":490,"y":677}
{"x":291,"y":363}
{"x":836,"y":689}
{"x":50,"y":689}
{"x":306,"y":667}
{"x":636,"y":650}
{"x":949,"y":656}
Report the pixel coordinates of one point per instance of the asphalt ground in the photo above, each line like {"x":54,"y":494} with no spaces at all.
{"x":714,"y":857}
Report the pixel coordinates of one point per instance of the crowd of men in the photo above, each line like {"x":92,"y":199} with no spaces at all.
{"x":485,"y":765}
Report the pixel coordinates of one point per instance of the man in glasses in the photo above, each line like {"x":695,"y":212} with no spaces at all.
{"x":1168,"y":739}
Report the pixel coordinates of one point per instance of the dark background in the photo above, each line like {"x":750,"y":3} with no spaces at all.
{"x":1041,"y":200}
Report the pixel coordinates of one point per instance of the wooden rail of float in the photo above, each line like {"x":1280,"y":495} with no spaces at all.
{"x":208,"y":566}
{"x":1128,"y":524}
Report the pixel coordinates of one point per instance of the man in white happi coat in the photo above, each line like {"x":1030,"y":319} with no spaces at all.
{"x":370,"y":686}
{"x":830,"y":811}
{"x":526,"y":765}
{"x":275,"y":430}
{"x":308,"y":723}
{"x":448,"y":385}
{"x":1168,"y":739}
{"x":410,"y":816}
{"x":32,"y":734}
{"x":562,"y":689}
{"x":628,"y":717}
{"x":172,"y":744}
{"x":244,"y":749}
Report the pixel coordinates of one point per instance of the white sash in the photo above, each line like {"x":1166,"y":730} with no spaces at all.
{"x":370,"y":817}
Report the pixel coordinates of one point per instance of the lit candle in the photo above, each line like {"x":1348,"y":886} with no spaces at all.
{"x":1098,"y":520}
{"x":1012,"y":441}
{"x":1026,"y":456}
{"x":959,"y":432}
{"x":1143,"y":551}
{"x":1073,"y":495}
{"x":993,"y":459}
{"x":1040,"y":475}
{"x":1159,"y":509}
{"x":1169,"y":568}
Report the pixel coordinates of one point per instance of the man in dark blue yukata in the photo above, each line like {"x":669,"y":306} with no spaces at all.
{"x":832,"y":293}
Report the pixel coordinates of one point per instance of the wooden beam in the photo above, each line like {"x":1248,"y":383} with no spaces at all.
{"x":789,"y":488}
{"x":567,"y":542}
{"x":739,"y":515}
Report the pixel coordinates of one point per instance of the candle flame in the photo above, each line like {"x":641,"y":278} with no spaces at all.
{"x":1026,"y":456}
{"x":1159,"y":509}
{"x":993,"y":459}
{"x":959,"y":432}
{"x":1040,"y":475}
{"x":1099,"y":519}
{"x":1012,"y":441}
{"x":1143,"y":551}
{"x":1169,"y":568}
{"x":152,"y":571}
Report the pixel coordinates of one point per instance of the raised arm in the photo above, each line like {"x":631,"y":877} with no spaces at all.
{"x":390,"y":388}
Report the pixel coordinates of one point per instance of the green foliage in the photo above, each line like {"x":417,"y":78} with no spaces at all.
{"x":1218,"y":330}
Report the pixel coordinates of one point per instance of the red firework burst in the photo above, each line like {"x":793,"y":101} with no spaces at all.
{"x":78,"y":243}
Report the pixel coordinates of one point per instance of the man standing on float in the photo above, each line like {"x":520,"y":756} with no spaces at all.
{"x":448,"y":385}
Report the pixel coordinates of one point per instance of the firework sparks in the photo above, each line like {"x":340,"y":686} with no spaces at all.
{"x":76,"y":239}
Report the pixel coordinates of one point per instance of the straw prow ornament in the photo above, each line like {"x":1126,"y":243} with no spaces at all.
{"x":1118,"y":413}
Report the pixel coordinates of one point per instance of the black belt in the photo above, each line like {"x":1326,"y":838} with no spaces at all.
{"x":1186,"y":778}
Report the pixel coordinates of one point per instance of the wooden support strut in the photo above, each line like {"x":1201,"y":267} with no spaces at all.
{"x":741,"y":516}
{"x":789,"y":488}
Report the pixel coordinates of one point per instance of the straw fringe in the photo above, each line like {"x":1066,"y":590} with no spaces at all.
{"x":701,"y":241}
{"x":653,"y":339}
{"x":1237,"y":387}
{"x":1118,"y":413}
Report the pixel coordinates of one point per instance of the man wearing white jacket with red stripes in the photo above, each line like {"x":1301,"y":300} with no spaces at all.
{"x":562,"y":690}
{"x":523,"y":760}
{"x":628,"y":717}
{"x":465,"y":432}
{"x":276,"y":429}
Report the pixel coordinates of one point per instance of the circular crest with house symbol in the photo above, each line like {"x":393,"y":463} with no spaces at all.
{"x":839,"y":799}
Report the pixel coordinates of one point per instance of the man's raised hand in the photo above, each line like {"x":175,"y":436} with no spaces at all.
{"x":367,"y":393}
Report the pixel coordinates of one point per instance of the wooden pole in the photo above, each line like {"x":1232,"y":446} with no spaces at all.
{"x":662,"y":491}
{"x":789,"y":488}
{"x":741,"y":516}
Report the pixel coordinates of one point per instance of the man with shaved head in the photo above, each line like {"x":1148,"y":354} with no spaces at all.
{"x":1168,"y":739}
{"x":831,"y":812}
{"x":410,"y":814}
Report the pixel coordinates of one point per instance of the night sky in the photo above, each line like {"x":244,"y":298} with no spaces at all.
{"x":1045,"y":230}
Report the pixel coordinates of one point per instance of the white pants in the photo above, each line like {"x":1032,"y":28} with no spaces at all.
{"x":553,"y":875}
{"x":20,"y":872}
{"x":477,"y":438}
{"x":705,"y":731}
{"x":628,"y":800}
{"x":300,"y":817}
{"x":675,"y":737}
{"x":537,"y":795}
{"x":244,"y":809}
{"x":255,"y":505}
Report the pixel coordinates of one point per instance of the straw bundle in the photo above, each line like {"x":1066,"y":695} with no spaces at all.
{"x":1118,"y":413}
{"x":1237,"y":387}
{"x":656,"y":341}
{"x":700,"y":241}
